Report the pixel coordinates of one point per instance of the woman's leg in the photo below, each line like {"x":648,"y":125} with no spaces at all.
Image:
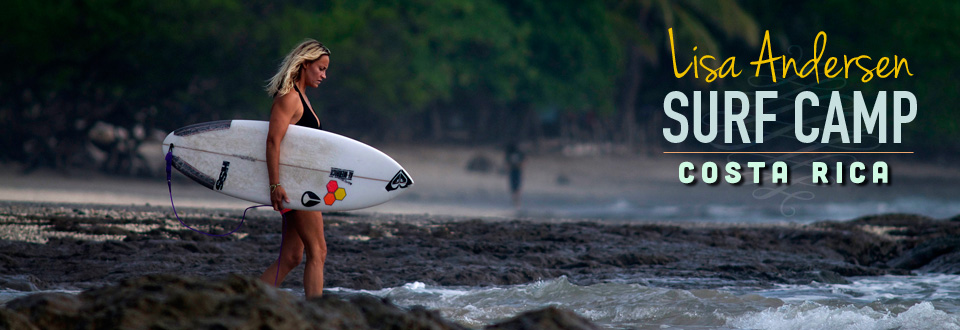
{"x":309,"y":225}
{"x":291,"y":253}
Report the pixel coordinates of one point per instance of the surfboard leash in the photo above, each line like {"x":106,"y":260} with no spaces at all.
{"x":169,"y":160}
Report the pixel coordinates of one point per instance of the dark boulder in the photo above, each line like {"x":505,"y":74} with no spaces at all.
{"x":550,"y":318}
{"x":926,"y":252}
{"x":47,"y":310}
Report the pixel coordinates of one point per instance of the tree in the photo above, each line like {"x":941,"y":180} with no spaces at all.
{"x":644,"y":24}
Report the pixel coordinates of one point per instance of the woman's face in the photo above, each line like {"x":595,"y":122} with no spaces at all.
{"x":316,"y":72}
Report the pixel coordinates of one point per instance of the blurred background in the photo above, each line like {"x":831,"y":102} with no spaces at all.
{"x":90,"y":87}
{"x":86,"y":83}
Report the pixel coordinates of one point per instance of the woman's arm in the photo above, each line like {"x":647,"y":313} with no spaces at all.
{"x":281,"y":116}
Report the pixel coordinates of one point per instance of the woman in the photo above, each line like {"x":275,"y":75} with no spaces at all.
{"x":305,"y":66}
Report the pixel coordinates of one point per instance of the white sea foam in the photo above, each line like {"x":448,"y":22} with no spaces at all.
{"x":810,"y":315}
{"x":888,"y":302}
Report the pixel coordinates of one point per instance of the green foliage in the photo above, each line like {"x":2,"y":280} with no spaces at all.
{"x":923,"y":34}
{"x":201,"y":60}
{"x":927,"y":36}
{"x":574,"y":52}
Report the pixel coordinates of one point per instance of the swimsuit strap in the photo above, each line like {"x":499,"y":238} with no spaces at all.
{"x":305,"y":108}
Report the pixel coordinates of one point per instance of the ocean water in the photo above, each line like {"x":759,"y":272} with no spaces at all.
{"x":823,"y":209}
{"x":698,"y":207}
{"x":889,"y":302}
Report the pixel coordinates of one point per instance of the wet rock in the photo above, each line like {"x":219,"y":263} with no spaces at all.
{"x":119,"y":247}
{"x":14,"y":321}
{"x":464,"y":277}
{"x":893,"y":219}
{"x":829,"y":277}
{"x":211,"y":248}
{"x":48,"y":310}
{"x":368,"y":312}
{"x":381,"y":314}
{"x":332,"y":312}
{"x":367,"y":281}
{"x":549,"y":318}
{"x":8,"y":262}
{"x":168,"y":301}
{"x":21,"y":282}
{"x":461,"y":251}
{"x":926,"y":252}
{"x":634,"y":258}
{"x":236,"y":302}
{"x":948,"y":263}
{"x":433,"y":316}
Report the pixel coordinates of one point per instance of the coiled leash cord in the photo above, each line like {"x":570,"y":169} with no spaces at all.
{"x":169,"y":161}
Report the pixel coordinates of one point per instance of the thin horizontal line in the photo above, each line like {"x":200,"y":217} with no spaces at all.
{"x":788,"y":152}
{"x":264,"y":161}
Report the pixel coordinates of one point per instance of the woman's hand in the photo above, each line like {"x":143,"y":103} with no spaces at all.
{"x":281,"y":116}
{"x":277,"y":197}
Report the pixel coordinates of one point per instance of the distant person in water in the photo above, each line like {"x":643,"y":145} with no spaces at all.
{"x":514,"y":160}
{"x":305,"y":66}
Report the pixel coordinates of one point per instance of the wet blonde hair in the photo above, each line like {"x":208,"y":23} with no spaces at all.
{"x":307,"y":51}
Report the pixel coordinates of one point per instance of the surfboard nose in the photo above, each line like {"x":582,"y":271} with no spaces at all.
{"x":400,"y":182}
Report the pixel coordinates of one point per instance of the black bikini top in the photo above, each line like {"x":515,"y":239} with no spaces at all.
{"x":305,"y":120}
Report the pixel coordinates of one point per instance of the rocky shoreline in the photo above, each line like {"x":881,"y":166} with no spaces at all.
{"x":88,"y":247}
{"x":236,"y":302}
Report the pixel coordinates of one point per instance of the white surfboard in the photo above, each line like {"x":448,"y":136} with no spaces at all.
{"x":320,"y":171}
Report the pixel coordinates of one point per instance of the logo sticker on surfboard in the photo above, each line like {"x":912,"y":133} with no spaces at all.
{"x":342,"y":174}
{"x":309,"y":199}
{"x":399,"y":181}
{"x":334,"y":193}
{"x":223,"y":175}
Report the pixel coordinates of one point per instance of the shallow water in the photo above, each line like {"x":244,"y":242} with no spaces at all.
{"x":622,"y":209}
{"x":888,"y":302}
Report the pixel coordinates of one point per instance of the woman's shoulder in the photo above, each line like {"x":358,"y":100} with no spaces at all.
{"x":288,"y":100}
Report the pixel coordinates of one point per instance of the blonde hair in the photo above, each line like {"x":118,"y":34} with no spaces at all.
{"x":307,"y":51}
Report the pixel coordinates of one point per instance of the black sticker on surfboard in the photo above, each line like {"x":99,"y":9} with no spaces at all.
{"x":399,"y":181}
{"x":203,"y":127}
{"x":223,"y":175}
{"x":309,"y":199}
{"x":193,"y":173}
{"x":342,"y":174}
